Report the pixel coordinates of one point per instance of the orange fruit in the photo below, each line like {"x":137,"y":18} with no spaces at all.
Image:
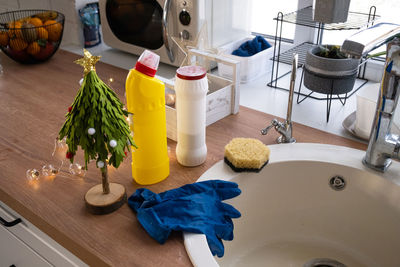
{"x":18,"y":44}
{"x":14,"y":29}
{"x":54,"y":29}
{"x":33,"y":48}
{"x":3,"y":38}
{"x":35,"y":21}
{"x":42,"y":33}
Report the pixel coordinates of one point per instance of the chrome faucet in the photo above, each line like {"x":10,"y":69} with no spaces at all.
{"x":285,"y":128}
{"x":383,"y":145}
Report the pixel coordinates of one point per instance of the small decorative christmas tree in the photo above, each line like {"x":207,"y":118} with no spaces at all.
{"x":96,"y":122}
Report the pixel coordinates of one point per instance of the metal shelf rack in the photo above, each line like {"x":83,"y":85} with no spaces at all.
{"x":355,"y":20}
{"x":303,"y":17}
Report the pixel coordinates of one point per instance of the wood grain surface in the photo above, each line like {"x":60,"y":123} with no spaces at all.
{"x":97,"y":202}
{"x":33,"y":102}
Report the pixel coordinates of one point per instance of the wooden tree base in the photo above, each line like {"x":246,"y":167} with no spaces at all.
{"x":99,"y":203}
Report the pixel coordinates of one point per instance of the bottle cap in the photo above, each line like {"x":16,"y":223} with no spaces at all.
{"x":148,"y":63}
{"x":191,"y":72}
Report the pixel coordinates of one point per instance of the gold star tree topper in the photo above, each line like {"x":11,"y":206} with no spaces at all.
{"x":88,"y":61}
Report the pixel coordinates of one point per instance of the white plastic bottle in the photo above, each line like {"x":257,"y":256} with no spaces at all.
{"x":191,"y":87}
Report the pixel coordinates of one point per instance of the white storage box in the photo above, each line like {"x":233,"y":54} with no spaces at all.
{"x":251,"y":67}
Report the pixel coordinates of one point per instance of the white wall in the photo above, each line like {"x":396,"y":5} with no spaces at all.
{"x":73,"y":32}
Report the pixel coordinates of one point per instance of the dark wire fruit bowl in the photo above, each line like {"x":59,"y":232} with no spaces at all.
{"x":31,"y":36}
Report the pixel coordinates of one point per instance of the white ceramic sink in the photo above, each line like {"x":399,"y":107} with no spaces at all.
{"x":291,"y":215}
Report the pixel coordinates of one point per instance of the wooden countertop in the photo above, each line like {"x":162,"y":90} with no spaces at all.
{"x":33,"y":102}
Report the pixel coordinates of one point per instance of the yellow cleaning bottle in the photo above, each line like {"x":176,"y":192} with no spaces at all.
{"x":145,"y":97}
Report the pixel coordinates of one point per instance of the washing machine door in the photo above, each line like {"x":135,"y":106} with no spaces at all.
{"x":138,"y":22}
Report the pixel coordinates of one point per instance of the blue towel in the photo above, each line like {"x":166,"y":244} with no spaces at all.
{"x":252,"y":47}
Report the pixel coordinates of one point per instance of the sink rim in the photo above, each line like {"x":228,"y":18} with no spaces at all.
{"x":196,"y":244}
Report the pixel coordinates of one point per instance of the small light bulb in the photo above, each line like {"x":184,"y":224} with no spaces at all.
{"x":60,"y":149}
{"x":77,"y":169}
{"x":32,"y":175}
{"x":49,"y":170}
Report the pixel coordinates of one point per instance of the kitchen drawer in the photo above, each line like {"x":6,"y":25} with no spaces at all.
{"x":15,"y":252}
{"x":37,"y":241}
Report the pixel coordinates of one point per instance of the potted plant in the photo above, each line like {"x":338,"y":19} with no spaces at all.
{"x":329,"y":71}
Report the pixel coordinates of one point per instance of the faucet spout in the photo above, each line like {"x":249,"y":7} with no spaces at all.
{"x":285,"y":128}
{"x":383,"y":145}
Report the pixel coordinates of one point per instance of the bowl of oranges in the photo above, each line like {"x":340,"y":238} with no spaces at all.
{"x":31,"y":36}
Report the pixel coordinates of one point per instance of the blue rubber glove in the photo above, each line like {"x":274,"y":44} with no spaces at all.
{"x":195,"y":208}
{"x":143,"y":197}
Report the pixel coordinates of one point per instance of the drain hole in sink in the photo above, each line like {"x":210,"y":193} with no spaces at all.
{"x":319,"y":262}
{"x":337,"y":183}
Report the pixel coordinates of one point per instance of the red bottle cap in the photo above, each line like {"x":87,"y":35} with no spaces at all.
{"x":148,"y":63}
{"x":191,"y":72}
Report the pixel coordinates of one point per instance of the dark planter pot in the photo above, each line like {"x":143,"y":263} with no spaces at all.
{"x":327,"y":75}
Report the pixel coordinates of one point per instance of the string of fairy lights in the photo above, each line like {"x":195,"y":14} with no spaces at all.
{"x":57,"y":163}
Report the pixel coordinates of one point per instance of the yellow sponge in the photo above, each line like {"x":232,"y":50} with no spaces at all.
{"x":246,"y":154}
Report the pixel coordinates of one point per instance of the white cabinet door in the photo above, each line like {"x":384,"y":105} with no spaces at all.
{"x":37,"y":241}
{"x":15,"y":252}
